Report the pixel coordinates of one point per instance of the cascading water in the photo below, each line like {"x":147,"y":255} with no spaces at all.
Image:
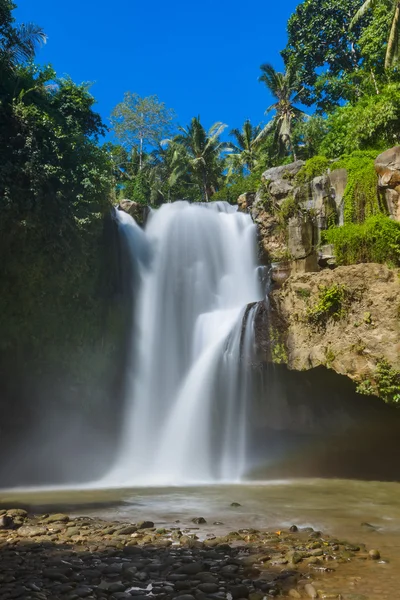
{"x":188,"y":387}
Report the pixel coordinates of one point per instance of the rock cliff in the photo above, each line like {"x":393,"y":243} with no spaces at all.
{"x":343,"y":318}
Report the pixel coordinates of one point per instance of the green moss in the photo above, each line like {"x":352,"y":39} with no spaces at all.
{"x":279,"y":354}
{"x":333,"y":303}
{"x":375,"y":240}
{"x":385,"y":383}
{"x":314,"y":167}
{"x":361,"y":194}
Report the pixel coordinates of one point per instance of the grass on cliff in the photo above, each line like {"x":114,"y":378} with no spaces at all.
{"x":375,"y":240}
{"x":332,"y":304}
{"x":361,"y":193}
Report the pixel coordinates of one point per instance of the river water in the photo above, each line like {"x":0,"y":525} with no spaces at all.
{"x":336,"y":507}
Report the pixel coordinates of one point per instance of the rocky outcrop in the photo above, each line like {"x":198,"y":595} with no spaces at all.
{"x":138,"y":211}
{"x":387,"y":166}
{"x":353,"y":337}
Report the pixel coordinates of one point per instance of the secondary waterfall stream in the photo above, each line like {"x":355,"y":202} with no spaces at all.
{"x":192,"y":337}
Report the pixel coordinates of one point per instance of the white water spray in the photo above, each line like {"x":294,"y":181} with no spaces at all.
{"x":188,"y":387}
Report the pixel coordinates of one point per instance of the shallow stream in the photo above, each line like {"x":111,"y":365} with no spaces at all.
{"x":337,"y":507}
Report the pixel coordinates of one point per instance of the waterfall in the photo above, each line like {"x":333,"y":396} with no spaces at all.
{"x":188,"y":387}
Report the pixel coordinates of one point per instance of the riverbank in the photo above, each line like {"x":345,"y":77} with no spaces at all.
{"x":55,"y":556}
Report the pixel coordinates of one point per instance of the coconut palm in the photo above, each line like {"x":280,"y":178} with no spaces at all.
{"x":19,"y":44}
{"x":392,"y":50}
{"x":201,"y":152}
{"x":283,"y":87}
{"x":243,"y":155}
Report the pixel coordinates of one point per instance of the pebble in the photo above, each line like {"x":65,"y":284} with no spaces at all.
{"x":374,"y":554}
{"x":310,"y":590}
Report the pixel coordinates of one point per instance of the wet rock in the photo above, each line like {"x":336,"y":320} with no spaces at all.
{"x":59,"y":517}
{"x":191,"y":568}
{"x":239,"y":591}
{"x":374,"y":554}
{"x":208,"y":588}
{"x":145,"y":525}
{"x":235,"y":504}
{"x":17,"y":512}
{"x":31,"y":531}
{"x":293,"y":529}
{"x":199,"y":520}
{"x":310,"y":590}
{"x":294,"y":594}
{"x":6,"y":522}
{"x":128,"y":530}
{"x":186,"y":597}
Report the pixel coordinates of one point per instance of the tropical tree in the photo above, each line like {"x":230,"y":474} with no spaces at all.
{"x":200,"y":152}
{"x":325,"y":53}
{"x":18,"y":43}
{"x":141,"y":123}
{"x":244,"y":153}
{"x":392,"y":49}
{"x":284,"y":88}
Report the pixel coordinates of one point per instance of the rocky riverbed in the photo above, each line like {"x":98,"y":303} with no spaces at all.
{"x":55,"y":556}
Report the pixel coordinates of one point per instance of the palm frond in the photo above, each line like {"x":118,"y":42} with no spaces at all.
{"x":362,"y":11}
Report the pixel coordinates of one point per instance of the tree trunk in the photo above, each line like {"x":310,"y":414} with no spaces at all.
{"x":391,"y":52}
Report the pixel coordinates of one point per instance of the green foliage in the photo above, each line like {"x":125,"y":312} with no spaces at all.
{"x":141,"y":123}
{"x":371,"y":123}
{"x":284,"y":88}
{"x":198,"y":153}
{"x":308,"y":135}
{"x":361,"y":193}
{"x":287,"y":210}
{"x":323,"y":51}
{"x":314,"y":167}
{"x":375,"y":240}
{"x":238,"y":185}
{"x":333,"y":303}
{"x":385,"y":383}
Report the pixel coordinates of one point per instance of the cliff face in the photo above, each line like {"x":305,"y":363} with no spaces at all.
{"x":344,"y":318}
{"x":347,"y":319}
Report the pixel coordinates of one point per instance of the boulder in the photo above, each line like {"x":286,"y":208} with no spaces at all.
{"x":246,"y":201}
{"x":387,"y":166}
{"x":283,"y":172}
{"x":138,"y":211}
{"x":301,"y":241}
{"x":338,"y":182}
{"x":391,"y":200}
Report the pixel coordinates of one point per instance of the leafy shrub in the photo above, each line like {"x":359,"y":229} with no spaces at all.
{"x":372,"y":122}
{"x":361,"y":193}
{"x":238,"y":186}
{"x":375,"y":240}
{"x":385,"y":383}
{"x":314,"y":167}
{"x":333,"y":303}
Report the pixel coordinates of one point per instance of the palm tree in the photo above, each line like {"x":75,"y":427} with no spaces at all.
{"x":244,"y":152}
{"x":19,"y":44}
{"x":392,"y":50}
{"x":200,"y":151}
{"x":283,"y":87}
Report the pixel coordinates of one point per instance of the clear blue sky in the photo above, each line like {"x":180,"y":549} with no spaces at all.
{"x":198,"y":57}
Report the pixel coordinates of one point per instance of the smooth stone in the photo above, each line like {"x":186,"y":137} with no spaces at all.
{"x":58,"y":517}
{"x":374,"y":554}
{"x":239,"y":591}
{"x":235,"y":504}
{"x":16,"y":512}
{"x":186,"y":597}
{"x":199,"y":520}
{"x":127,"y":530}
{"x":208,"y":588}
{"x":31,"y":531}
{"x":83,"y":592}
{"x":310,"y":590}
{"x":294,"y":594}
{"x":145,"y":525}
{"x":190,"y":568}
{"x":293,"y":529}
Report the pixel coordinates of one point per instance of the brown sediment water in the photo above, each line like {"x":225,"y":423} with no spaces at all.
{"x":356,"y":511}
